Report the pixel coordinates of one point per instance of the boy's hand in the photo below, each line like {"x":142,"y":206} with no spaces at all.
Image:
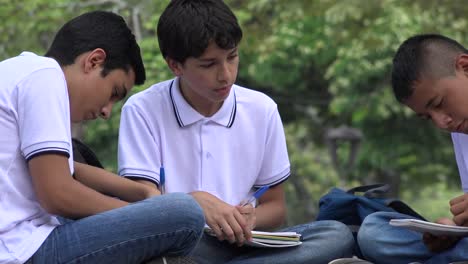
{"x":438,"y":244}
{"x":249,"y":214}
{"x":459,"y":209}
{"x":224,"y":219}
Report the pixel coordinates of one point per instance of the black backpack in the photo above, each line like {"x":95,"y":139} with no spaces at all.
{"x":83,"y":154}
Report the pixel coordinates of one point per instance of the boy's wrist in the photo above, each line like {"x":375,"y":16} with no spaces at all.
{"x":148,"y":189}
{"x":150,"y":192}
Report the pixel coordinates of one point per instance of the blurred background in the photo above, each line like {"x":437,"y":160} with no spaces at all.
{"x":326,"y":63}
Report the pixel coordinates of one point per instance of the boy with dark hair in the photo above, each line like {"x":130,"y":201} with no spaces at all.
{"x":94,"y":216}
{"x":430,"y":76}
{"x":218,"y":141}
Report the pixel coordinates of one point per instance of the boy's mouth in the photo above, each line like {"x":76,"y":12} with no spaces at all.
{"x":222,"y":90}
{"x":460,"y":127}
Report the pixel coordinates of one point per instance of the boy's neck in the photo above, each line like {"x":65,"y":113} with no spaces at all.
{"x":200,"y":104}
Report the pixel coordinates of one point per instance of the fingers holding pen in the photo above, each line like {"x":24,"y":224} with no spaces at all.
{"x":224,"y":219}
{"x":233,"y":230}
{"x":248,"y":212}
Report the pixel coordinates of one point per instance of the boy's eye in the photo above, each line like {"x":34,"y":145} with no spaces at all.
{"x":233,"y":56}
{"x":207,"y":65}
{"x":114,"y":93}
{"x":425,"y":117}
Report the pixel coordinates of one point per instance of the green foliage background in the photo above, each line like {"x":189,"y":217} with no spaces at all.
{"x":325,"y":62}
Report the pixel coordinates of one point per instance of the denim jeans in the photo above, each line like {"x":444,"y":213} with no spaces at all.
{"x":170,"y":224}
{"x":382,"y":243}
{"x":323,"y":241}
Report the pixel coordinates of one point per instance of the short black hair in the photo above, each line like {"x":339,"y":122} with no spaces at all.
{"x":99,"y":29}
{"x":423,"y":56}
{"x":186,"y":28}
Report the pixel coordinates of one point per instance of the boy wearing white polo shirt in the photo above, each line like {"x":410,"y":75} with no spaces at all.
{"x":93,"y":62}
{"x":217,"y":140}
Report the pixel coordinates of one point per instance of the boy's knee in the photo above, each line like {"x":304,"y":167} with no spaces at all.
{"x":340,"y":236}
{"x":186,"y":205}
{"x":343,"y":232}
{"x":180,"y":208}
{"x":371,"y":227}
{"x":336,"y":232}
{"x":375,"y":221}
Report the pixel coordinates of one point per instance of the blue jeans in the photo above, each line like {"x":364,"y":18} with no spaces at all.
{"x":170,"y":224}
{"x":382,"y":243}
{"x":323,"y":241}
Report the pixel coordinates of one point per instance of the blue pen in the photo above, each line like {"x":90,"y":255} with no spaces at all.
{"x":256,"y":195}
{"x":162,"y":180}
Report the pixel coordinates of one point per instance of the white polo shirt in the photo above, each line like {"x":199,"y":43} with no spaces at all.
{"x":460,"y":146}
{"x":34,"y":119}
{"x":239,"y":148}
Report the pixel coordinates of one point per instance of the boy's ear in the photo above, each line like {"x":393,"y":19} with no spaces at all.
{"x":176,"y":67}
{"x":95,"y":59}
{"x":461,"y":63}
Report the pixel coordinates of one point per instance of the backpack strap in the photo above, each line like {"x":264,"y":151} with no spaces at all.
{"x":403,"y":208}
{"x":378,"y":190}
{"x":83,"y":154}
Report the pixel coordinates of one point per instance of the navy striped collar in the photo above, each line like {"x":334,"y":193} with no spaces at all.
{"x":186,"y":115}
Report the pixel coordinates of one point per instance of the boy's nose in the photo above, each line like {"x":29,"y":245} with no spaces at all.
{"x":106,"y":111}
{"x":441,"y":120}
{"x":224,"y":73}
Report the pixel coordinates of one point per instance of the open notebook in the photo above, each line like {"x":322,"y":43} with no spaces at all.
{"x":428,"y":227}
{"x":269,"y":239}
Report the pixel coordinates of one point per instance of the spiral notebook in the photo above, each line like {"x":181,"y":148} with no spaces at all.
{"x":428,"y":227}
{"x":269,"y":239}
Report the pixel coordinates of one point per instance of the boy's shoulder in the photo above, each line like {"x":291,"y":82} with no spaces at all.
{"x":252,"y":98}
{"x":29,"y":60}
{"x":24,"y":64}
{"x":152,"y":95}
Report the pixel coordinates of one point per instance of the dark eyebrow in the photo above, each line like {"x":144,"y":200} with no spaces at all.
{"x":122,"y":95}
{"x":207,"y":60}
{"x":234,"y":50}
{"x":430,"y":102}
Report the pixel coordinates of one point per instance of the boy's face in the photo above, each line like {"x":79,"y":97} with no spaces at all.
{"x":206,"y":81}
{"x":91,"y":94}
{"x":443,"y":101}
{"x":98,"y":98}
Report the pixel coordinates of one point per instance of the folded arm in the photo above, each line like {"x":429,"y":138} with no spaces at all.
{"x":59,"y":194}
{"x":111,"y":184}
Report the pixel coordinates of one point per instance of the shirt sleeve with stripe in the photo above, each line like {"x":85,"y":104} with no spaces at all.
{"x":43,"y":113}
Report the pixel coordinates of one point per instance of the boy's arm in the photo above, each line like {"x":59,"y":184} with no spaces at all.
{"x":111,"y":184}
{"x":59,"y":194}
{"x":271,"y":211}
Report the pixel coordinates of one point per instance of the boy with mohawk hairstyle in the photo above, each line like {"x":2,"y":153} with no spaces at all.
{"x":430,"y":76}
{"x":218,"y":141}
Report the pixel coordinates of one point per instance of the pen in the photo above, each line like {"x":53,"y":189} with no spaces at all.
{"x":162,"y":180}
{"x":256,"y":195}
